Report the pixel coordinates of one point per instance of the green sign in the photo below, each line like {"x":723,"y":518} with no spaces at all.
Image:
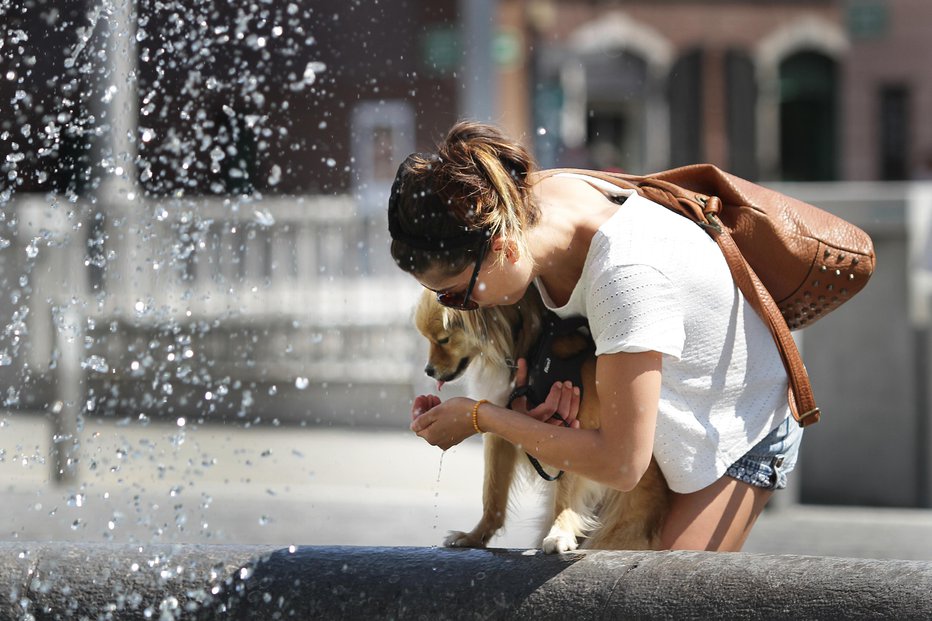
{"x":868,"y":19}
{"x":506,"y":49}
{"x":440,"y":50}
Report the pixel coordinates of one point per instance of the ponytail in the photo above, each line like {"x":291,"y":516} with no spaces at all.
{"x":474,"y":188}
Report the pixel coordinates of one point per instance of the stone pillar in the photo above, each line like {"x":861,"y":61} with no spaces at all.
{"x":714,"y":107}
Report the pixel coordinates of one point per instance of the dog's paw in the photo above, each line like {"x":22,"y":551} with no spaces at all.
{"x":457,"y":539}
{"x":559,"y":542}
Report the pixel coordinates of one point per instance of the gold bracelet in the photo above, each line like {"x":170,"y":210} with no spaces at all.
{"x":475,"y":414}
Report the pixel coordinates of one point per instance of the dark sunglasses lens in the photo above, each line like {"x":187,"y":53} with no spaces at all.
{"x":457,"y":301}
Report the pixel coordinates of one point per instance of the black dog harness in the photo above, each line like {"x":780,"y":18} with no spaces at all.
{"x":545,"y":369}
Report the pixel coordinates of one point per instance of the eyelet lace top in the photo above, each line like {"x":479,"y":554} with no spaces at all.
{"x":653,"y":280}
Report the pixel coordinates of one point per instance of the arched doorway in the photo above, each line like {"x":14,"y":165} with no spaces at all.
{"x":612,"y":109}
{"x":616,"y":94}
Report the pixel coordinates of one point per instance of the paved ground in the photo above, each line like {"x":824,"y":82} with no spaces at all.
{"x":281,"y":486}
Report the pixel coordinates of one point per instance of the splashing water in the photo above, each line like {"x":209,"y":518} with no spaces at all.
{"x":437,"y":493}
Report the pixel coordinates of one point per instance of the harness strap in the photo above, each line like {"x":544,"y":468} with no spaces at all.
{"x":522,"y":391}
{"x":544,"y":369}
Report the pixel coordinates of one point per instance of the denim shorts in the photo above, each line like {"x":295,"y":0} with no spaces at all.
{"x":770,"y":460}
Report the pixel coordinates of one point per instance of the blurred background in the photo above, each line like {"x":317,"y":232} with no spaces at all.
{"x":203,"y":334}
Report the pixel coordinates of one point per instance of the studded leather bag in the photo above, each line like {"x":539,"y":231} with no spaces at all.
{"x":794,"y":262}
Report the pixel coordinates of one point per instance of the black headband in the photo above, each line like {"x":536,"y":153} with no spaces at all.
{"x":428,"y":242}
{"x":465,"y":238}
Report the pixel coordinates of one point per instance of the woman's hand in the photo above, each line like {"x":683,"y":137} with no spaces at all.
{"x":422,"y":403}
{"x":560,"y":407}
{"x":442,"y":424}
{"x":447,"y":423}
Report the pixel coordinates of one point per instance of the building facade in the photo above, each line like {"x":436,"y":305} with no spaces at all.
{"x":815,"y":90}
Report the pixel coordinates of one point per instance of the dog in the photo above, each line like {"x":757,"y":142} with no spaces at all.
{"x":483,"y":345}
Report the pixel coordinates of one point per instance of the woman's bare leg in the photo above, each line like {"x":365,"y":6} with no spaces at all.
{"x":718,"y":517}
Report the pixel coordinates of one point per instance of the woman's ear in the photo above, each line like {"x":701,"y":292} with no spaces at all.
{"x":508,"y":246}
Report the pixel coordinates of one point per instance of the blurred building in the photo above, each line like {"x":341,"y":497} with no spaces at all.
{"x":192,"y":194}
{"x":807,"y":90}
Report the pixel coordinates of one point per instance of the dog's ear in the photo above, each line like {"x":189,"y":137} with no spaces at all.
{"x":452,"y":319}
{"x":426,"y":311}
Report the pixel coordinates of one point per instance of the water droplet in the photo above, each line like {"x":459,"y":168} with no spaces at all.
{"x":95,"y":363}
{"x":541,"y":131}
{"x":264,"y":217}
{"x":311,"y":71}
{"x":275,"y":176}
{"x":301,"y":383}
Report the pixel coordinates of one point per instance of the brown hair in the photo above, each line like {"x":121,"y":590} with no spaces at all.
{"x":444,"y":206}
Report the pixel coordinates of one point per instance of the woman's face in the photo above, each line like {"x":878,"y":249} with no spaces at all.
{"x":498,"y":283}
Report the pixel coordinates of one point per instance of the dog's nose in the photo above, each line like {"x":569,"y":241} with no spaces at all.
{"x":430,"y":370}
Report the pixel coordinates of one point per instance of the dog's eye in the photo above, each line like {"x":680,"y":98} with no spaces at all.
{"x":443,"y":341}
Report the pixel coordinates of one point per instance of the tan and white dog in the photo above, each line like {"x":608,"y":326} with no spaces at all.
{"x":483,"y":346}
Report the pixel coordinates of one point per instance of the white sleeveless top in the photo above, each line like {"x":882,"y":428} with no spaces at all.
{"x":653,"y":280}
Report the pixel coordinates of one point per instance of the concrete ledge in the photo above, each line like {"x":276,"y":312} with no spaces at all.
{"x":101,"y":581}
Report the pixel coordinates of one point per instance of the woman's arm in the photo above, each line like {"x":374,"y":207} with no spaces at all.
{"x":617,"y":454}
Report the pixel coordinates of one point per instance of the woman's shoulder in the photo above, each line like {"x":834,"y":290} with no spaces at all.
{"x":642,"y":231}
{"x":571,"y":189}
{"x":555,"y":178}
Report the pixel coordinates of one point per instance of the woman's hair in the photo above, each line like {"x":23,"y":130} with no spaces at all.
{"x":444,"y":206}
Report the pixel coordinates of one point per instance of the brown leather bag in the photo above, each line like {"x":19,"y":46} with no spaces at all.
{"x":794,"y":262}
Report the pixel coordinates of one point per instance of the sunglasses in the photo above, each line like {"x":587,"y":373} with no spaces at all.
{"x":463,"y":300}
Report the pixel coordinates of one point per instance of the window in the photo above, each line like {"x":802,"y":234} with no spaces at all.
{"x":684,"y":90}
{"x":383,"y":135}
{"x":808,"y":117}
{"x":894,"y":132}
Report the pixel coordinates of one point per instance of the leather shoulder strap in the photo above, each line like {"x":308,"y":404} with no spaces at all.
{"x":799,"y":389}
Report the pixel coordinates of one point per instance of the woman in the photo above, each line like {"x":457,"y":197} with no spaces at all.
{"x":686,"y":370}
